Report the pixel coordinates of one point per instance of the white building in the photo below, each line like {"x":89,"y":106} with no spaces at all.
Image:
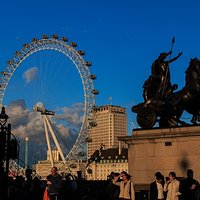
{"x":103,"y":162}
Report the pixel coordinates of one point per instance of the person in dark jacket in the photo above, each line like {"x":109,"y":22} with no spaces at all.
{"x":157,"y":187}
{"x":189,"y":187}
{"x":112,"y":189}
{"x":54,"y":183}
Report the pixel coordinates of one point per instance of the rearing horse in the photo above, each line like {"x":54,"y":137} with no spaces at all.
{"x":188,"y":98}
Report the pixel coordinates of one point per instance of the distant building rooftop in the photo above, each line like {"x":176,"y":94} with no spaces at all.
{"x":112,"y":154}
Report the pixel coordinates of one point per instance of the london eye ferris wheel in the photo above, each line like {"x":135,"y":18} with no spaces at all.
{"x":49,"y":87}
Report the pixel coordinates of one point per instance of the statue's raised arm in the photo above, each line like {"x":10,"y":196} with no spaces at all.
{"x":173,"y":59}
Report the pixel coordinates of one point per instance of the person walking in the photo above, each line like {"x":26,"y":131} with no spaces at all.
{"x":127,"y":191}
{"x":172,"y":187}
{"x":157,"y":187}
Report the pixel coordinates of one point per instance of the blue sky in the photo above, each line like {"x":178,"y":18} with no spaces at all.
{"x":120,"y":38}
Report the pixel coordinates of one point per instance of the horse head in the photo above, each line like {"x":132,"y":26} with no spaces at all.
{"x":194,"y":61}
{"x":193,"y":71}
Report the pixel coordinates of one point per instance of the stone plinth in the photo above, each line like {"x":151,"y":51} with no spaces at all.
{"x":164,"y":150}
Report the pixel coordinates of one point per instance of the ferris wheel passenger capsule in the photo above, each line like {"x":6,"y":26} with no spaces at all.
{"x":26,"y":45}
{"x":54,"y":36}
{"x":87,"y":63}
{"x":73,"y":44}
{"x":4,"y":73}
{"x":92,"y":123}
{"x":64,"y":39}
{"x":88,"y":139}
{"x":10,"y":62}
{"x":81,"y":53}
{"x":44,"y":36}
{"x":34,"y":40}
{"x":95,"y":108}
{"x":17,"y":53}
{"x":95,"y":91}
{"x":81,"y":153}
{"x":92,"y":76}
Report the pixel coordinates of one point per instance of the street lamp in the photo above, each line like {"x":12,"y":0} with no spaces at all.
{"x":4,"y":137}
{"x":3,"y":134}
{"x":3,"y":117}
{"x":8,"y":150}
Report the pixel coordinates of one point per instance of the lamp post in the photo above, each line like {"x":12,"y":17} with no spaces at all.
{"x":26,"y":152}
{"x":5,"y":135}
{"x":3,"y":117}
{"x":5,"y":130}
{"x":8,"y":150}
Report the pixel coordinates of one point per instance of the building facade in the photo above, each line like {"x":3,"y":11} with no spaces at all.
{"x":104,"y":162}
{"x":111,"y":122}
{"x":43,"y":167}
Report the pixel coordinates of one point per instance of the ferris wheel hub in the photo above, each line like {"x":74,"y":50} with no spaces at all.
{"x":43,"y":111}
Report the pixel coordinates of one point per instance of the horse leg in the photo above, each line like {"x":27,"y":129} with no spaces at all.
{"x":194,"y":119}
{"x":198,"y":116}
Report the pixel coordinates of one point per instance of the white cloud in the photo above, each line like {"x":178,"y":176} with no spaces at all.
{"x":26,"y":123}
{"x":73,"y":115}
{"x":31,"y":74}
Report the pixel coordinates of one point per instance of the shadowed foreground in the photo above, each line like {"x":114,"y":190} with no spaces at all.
{"x":76,"y":190}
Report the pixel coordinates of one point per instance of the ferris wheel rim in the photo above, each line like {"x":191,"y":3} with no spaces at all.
{"x":80,"y":64}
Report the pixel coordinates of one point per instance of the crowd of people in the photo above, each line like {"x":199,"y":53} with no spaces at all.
{"x":170,"y":188}
{"x":120,"y":186}
{"x":56,"y":186}
{"x":173,"y":188}
{"x":30,"y":187}
{"x":24,"y":186}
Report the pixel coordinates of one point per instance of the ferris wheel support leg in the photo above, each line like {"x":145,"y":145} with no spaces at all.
{"x":48,"y":141}
{"x":55,"y":140}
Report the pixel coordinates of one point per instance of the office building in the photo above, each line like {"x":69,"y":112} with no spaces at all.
{"x":111,"y":122}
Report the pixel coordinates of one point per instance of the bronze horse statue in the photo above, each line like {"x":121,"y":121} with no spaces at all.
{"x":189,"y":97}
{"x":167,"y":108}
